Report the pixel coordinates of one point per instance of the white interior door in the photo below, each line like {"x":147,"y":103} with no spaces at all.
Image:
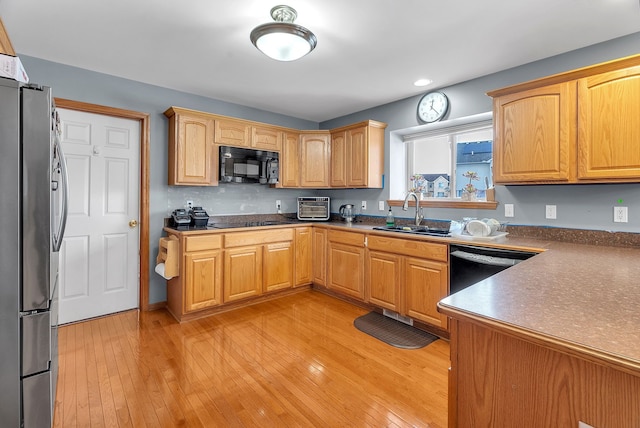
{"x":99,"y":272}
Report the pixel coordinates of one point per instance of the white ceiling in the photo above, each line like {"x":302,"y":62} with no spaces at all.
{"x":369,"y":51}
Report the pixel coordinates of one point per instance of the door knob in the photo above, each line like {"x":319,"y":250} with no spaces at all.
{"x":133,"y":223}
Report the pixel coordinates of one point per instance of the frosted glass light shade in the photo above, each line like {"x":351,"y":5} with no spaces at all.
{"x":283,"y":40}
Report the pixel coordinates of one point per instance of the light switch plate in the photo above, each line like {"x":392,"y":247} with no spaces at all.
{"x":508,"y":210}
{"x":381,"y":205}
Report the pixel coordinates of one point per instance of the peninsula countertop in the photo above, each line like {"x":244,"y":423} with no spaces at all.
{"x":584,"y":299}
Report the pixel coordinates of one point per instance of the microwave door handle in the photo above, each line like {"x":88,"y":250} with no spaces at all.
{"x":57,"y":243}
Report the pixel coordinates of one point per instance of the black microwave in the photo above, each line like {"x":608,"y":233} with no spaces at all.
{"x":239,"y":165}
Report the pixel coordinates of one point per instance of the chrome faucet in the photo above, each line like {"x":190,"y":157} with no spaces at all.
{"x":419,"y":215}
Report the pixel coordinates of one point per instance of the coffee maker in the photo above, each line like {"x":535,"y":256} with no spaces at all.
{"x":347,"y":212}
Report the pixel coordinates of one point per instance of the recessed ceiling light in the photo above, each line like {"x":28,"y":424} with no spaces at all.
{"x":422,"y":82}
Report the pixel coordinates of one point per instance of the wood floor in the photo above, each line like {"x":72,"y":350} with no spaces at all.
{"x":296,"y":361}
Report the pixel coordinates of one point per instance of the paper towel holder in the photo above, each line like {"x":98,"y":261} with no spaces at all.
{"x":168,"y":248}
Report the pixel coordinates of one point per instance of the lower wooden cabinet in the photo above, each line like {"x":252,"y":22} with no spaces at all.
{"x":203,"y":279}
{"x":242,"y":273}
{"x":346,"y":263}
{"x":384,"y":273}
{"x":278,"y":266}
{"x":399,"y":280}
{"x":426,"y":283}
{"x":303,"y":243}
{"x":257,"y":262}
{"x":402,"y":275}
{"x":319,"y":253}
{"x":199,"y":284}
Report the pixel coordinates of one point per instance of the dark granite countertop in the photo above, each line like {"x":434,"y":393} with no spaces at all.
{"x":581,"y":293}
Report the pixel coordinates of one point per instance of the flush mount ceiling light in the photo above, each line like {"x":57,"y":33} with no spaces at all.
{"x":283,"y":40}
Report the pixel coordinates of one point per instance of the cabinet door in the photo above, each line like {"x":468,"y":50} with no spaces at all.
{"x":346,"y":269}
{"x":608,"y":131}
{"x":203,"y":280}
{"x":338,"y":159}
{"x":302,"y":264}
{"x":319,"y":256}
{"x":278,"y":266}
{"x":231,"y":132}
{"x":242,"y":273}
{"x":357,"y":157}
{"x":290,"y":161}
{"x":191,"y":154}
{"x":384,"y":276}
{"x":265,"y":138}
{"x":314,"y":160}
{"x":535,"y":135}
{"x":426,"y":283}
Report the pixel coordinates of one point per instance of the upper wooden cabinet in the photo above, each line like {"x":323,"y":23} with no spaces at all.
{"x":338,"y":159}
{"x":191,"y":154}
{"x":231,"y":132}
{"x":574,"y":127}
{"x":5,"y":42}
{"x":314,"y":159}
{"x":534,"y":136}
{"x":306,"y":158}
{"x":357,"y":155}
{"x":290,"y":160}
{"x":266,"y":138}
{"x":608,"y":128}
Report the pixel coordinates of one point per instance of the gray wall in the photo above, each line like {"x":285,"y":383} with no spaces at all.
{"x":97,"y":88}
{"x":580,"y":206}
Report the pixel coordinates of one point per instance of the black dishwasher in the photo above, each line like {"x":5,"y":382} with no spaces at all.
{"x":471,"y":264}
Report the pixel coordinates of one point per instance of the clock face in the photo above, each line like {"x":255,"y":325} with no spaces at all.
{"x":432,"y":107}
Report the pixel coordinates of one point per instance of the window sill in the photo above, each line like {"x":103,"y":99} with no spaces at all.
{"x":448,"y":203}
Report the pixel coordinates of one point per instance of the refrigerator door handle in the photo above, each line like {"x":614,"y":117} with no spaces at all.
{"x":57,"y":238}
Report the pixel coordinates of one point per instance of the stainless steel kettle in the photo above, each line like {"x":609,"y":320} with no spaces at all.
{"x":347,"y":212}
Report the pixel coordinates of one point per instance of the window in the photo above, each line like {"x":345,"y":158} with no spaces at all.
{"x":450,"y":161}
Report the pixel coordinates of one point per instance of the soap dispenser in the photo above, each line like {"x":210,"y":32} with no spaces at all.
{"x":391,"y":221}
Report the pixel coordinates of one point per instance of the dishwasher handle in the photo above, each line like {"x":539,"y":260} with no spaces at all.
{"x":485,"y":260}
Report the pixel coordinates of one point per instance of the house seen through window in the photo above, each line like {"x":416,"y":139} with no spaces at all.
{"x":451,"y":164}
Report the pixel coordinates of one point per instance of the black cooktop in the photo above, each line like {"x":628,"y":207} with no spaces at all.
{"x":247,"y":224}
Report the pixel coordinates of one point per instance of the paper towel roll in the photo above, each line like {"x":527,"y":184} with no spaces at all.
{"x":160,"y":271}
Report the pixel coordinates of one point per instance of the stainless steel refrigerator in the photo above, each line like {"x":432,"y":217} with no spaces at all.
{"x":33,"y":208}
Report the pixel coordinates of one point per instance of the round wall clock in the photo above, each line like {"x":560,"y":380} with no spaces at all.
{"x":432,"y":107}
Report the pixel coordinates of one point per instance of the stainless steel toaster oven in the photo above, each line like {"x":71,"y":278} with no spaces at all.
{"x":314,"y":208}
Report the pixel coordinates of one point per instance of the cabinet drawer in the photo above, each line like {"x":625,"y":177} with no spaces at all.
{"x":204,"y":242}
{"x":257,"y":237}
{"x":409,"y":247}
{"x":349,"y":238}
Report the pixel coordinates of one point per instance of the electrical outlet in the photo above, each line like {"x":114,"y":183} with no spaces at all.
{"x":550,"y":211}
{"x":620,"y":214}
{"x":189,"y":204}
{"x":509,"y":210}
{"x":380,"y":205}
{"x":278,"y":204}
{"x":364,"y":205}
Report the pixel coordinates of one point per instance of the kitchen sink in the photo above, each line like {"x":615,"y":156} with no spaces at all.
{"x":415,"y":230}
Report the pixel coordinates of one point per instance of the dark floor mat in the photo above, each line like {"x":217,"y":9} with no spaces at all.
{"x":392,"y":332}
